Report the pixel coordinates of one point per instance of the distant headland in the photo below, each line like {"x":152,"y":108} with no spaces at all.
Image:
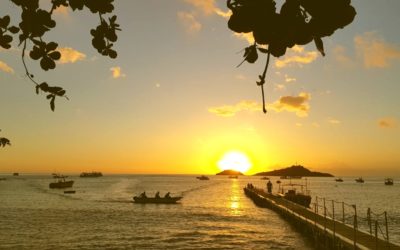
{"x":295,"y":170}
{"x":229,"y":172}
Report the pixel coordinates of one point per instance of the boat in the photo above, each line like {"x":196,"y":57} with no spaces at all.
{"x":60,"y":182}
{"x":69,"y":192}
{"x":233,"y":176}
{"x":265,"y":178}
{"x":297,"y":193}
{"x":202,"y":178}
{"x":278,"y":181}
{"x":339,"y":180}
{"x":389,"y":181}
{"x":15,"y":174}
{"x":156,"y":200}
{"x":91,"y":174}
{"x":3,"y":179}
{"x":360,"y":180}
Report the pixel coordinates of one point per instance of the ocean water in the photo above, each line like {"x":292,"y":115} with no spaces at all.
{"x":213,"y":214}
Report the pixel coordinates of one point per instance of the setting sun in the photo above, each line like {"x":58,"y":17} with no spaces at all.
{"x":234,"y":160}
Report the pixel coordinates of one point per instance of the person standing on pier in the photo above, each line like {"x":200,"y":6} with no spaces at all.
{"x":269,"y":186}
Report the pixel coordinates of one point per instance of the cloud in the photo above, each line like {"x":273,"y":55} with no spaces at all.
{"x":387,"y":122}
{"x":190,"y":22}
{"x":208,"y":7}
{"x":4,"y":67}
{"x":231,"y":110}
{"x":245,"y":36}
{"x":289,"y":79}
{"x":334,"y":121}
{"x":70,"y":55}
{"x":316,"y":125}
{"x":375,"y":52}
{"x":340,"y":54}
{"x":62,"y":11}
{"x":297,"y":56}
{"x":117,"y":72}
{"x":298,"y":104}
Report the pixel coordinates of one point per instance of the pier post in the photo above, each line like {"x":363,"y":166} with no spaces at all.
{"x":334,"y":223}
{"x":355,"y":226}
{"x":376,"y":234}
{"x":316,"y":200}
{"x":387,"y":228}
{"x":369,"y":220}
{"x":343,"y":218}
{"x":324,"y":216}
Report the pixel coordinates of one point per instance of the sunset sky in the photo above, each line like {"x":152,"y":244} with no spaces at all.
{"x":174,"y":102}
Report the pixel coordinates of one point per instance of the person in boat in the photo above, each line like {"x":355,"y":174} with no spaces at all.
{"x":158,"y":195}
{"x":269,"y":186}
{"x":167,"y":195}
{"x":143,"y":195}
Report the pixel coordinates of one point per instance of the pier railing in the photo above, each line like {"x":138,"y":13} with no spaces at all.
{"x":344,"y":213}
{"x":334,"y":224}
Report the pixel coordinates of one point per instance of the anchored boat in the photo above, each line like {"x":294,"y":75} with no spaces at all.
{"x":360,"y":180}
{"x":157,"y":200}
{"x":92,"y":174}
{"x":60,"y":182}
{"x":389,"y":181}
{"x":202,"y":178}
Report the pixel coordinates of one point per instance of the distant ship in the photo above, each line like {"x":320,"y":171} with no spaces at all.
{"x":202,"y":178}
{"x":233,"y":176}
{"x":339,"y":180}
{"x":265,"y":178}
{"x":60,"y":182}
{"x":389,"y":181}
{"x":15,"y":174}
{"x":92,"y":174}
{"x":360,"y":180}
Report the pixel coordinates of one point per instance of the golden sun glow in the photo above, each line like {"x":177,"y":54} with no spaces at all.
{"x":234,"y":160}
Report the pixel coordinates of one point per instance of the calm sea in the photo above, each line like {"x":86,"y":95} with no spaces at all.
{"x":213,"y":214}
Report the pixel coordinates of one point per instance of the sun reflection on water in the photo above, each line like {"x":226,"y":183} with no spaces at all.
{"x":234,"y":199}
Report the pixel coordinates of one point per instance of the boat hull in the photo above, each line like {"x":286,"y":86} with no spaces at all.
{"x":64,"y":184}
{"x":153,"y":200}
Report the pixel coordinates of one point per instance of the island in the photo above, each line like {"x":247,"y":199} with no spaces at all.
{"x":230,"y":172}
{"x":294,"y":171}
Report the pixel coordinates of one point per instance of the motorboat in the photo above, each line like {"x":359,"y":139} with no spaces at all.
{"x":360,"y":180}
{"x":389,"y":181}
{"x":60,"y":182}
{"x":265,"y":178}
{"x":339,"y":180}
{"x":69,"y":192}
{"x":91,"y":174}
{"x":233,"y":177}
{"x":156,"y":200}
{"x":202,"y":178}
{"x":297,"y":193}
{"x":15,"y":174}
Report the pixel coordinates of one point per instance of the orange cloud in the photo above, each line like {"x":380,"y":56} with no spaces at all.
{"x":117,"y":72}
{"x":231,"y":110}
{"x":70,"y":55}
{"x":190,"y":22}
{"x":298,"y":104}
{"x":62,"y":10}
{"x":387,"y":122}
{"x":4,"y":67}
{"x":245,"y":36}
{"x":297,"y":56}
{"x":376,"y":53}
{"x":208,"y":7}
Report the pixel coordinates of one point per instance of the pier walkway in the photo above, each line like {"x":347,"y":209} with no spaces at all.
{"x":327,"y":233}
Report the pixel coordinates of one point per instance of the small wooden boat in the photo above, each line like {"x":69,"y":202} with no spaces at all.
{"x":15,"y":174}
{"x":202,"y":178}
{"x":265,"y":178}
{"x":60,"y":182}
{"x":339,"y":180}
{"x":360,"y":180}
{"x":159,"y":200}
{"x":389,"y":181}
{"x":69,"y":192}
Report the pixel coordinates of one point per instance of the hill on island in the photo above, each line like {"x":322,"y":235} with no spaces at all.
{"x":295,"y":170}
{"x":229,"y":172}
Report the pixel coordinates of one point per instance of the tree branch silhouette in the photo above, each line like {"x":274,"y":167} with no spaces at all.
{"x":4,"y":142}
{"x":299,"y":22}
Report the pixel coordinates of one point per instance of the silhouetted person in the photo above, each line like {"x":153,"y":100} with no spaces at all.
{"x":143,"y":195}
{"x":269,"y":186}
{"x":167,"y":195}
{"x":158,"y":194}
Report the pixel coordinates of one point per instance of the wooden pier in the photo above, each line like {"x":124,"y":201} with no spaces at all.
{"x":327,"y":233}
